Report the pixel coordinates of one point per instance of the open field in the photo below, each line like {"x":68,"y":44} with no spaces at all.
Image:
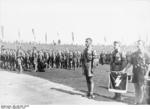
{"x":76,"y":80}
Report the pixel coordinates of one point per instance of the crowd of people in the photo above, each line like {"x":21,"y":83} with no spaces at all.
{"x":88,"y":59}
{"x":38,"y":60}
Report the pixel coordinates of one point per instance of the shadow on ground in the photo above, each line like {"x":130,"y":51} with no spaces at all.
{"x":76,"y":80}
{"x":68,"y":92}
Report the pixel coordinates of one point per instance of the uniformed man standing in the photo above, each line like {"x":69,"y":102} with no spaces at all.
{"x":74,"y":64}
{"x":20,"y":55}
{"x":88,"y":57}
{"x":52,"y":59}
{"x":102,"y":58}
{"x":2,"y":57}
{"x":41,"y":63}
{"x":78,"y":58}
{"x":58,"y":59}
{"x":140,"y":60}
{"x":117,"y":63}
{"x":35,"y":58}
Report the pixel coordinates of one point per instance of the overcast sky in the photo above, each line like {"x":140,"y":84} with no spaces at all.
{"x":124,"y":20}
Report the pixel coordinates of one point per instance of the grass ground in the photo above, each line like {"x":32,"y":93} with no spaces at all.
{"x":76,"y":80}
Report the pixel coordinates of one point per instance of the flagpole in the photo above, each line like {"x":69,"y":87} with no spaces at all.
{"x":19,"y":35}
{"x":105,"y":41}
{"x":33,"y":32}
{"x":147,"y":40}
{"x":72,"y":38}
{"x":46,"y":38}
{"x":2,"y":32}
{"x":58,"y":36}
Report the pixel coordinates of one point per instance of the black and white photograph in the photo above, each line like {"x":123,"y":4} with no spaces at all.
{"x":74,"y":52}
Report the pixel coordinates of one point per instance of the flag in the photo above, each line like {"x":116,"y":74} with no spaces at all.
{"x":2,"y":32}
{"x":118,"y":82}
{"x":72,"y":37}
{"x":54,"y":43}
{"x":59,"y":42}
{"x":105,"y":39}
{"x":58,"y":34}
{"x":46,"y":38}
{"x":147,"y":39}
{"x":19,"y":34}
{"x":33,"y":32}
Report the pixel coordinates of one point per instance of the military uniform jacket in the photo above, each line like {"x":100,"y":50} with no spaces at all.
{"x":35,"y":56}
{"x":88,"y":57}
{"x":117,"y":61}
{"x":140,"y":63}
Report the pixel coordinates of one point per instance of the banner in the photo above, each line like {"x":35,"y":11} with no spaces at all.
{"x":72,"y":37}
{"x":2,"y":32}
{"x":33,"y":32}
{"x":19,"y":36}
{"x":46,"y":38}
{"x":105,"y":40}
{"x":118,"y":82}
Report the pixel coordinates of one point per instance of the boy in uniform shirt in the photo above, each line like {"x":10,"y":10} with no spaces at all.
{"x":140,"y":60}
{"x":88,"y":57}
{"x":117,"y":63}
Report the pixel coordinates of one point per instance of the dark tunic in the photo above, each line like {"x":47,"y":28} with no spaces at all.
{"x":118,"y":61}
{"x":140,"y":63}
{"x":87,"y":62}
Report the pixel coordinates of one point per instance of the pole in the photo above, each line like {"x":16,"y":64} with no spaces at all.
{"x":72,"y":38}
{"x":46,"y":38}
{"x":19,"y":35}
{"x":33,"y":32}
{"x":2,"y":32}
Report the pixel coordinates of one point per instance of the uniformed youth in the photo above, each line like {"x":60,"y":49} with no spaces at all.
{"x":118,"y":63}
{"x":140,"y":60}
{"x":35,"y":58}
{"x":20,"y":55}
{"x":88,"y":57}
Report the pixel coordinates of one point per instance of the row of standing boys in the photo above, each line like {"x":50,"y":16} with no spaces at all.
{"x":38,"y":60}
{"x":119,"y":63}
